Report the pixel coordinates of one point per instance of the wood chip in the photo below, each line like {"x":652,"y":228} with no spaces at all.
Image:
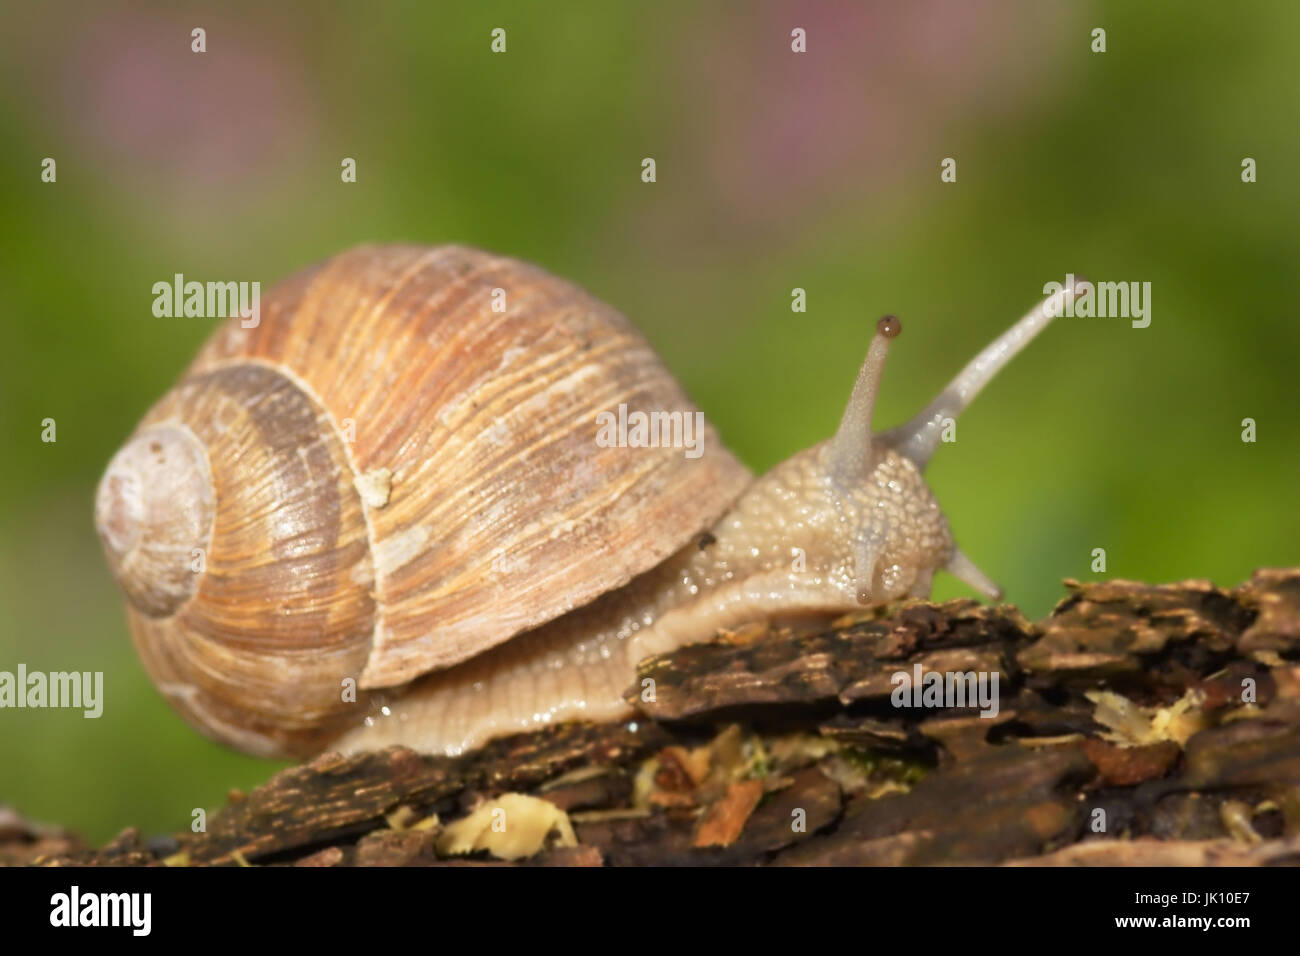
{"x":726,"y":818}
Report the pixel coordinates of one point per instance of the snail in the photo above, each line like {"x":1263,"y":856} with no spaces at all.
{"x":381,"y":515}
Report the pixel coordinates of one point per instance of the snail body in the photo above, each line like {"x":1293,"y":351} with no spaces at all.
{"x":382,"y":515}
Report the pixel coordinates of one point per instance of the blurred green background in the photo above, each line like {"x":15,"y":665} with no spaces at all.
{"x":775,"y":170}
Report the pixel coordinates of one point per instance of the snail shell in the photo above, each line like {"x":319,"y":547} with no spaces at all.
{"x":389,"y":487}
{"x":387,"y":477}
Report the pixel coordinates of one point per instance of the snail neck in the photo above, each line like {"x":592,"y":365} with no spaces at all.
{"x":800,"y":541}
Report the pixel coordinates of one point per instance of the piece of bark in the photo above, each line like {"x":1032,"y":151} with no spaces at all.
{"x":727,"y":817}
{"x":1126,"y":766}
{"x":831,"y":667}
{"x":1194,"y":760}
{"x":1012,"y":801}
{"x":1169,"y":853}
{"x":23,"y":841}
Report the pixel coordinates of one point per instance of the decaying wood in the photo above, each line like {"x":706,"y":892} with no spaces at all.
{"x":1137,"y":724}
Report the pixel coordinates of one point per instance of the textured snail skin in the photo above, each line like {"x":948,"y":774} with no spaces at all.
{"x":396,"y":524}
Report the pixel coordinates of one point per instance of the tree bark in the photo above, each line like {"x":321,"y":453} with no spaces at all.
{"x":1136,"y":724}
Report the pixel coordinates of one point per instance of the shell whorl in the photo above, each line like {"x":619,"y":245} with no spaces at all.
{"x":499,"y":510}
{"x":154,"y":514}
{"x":278,"y":609}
